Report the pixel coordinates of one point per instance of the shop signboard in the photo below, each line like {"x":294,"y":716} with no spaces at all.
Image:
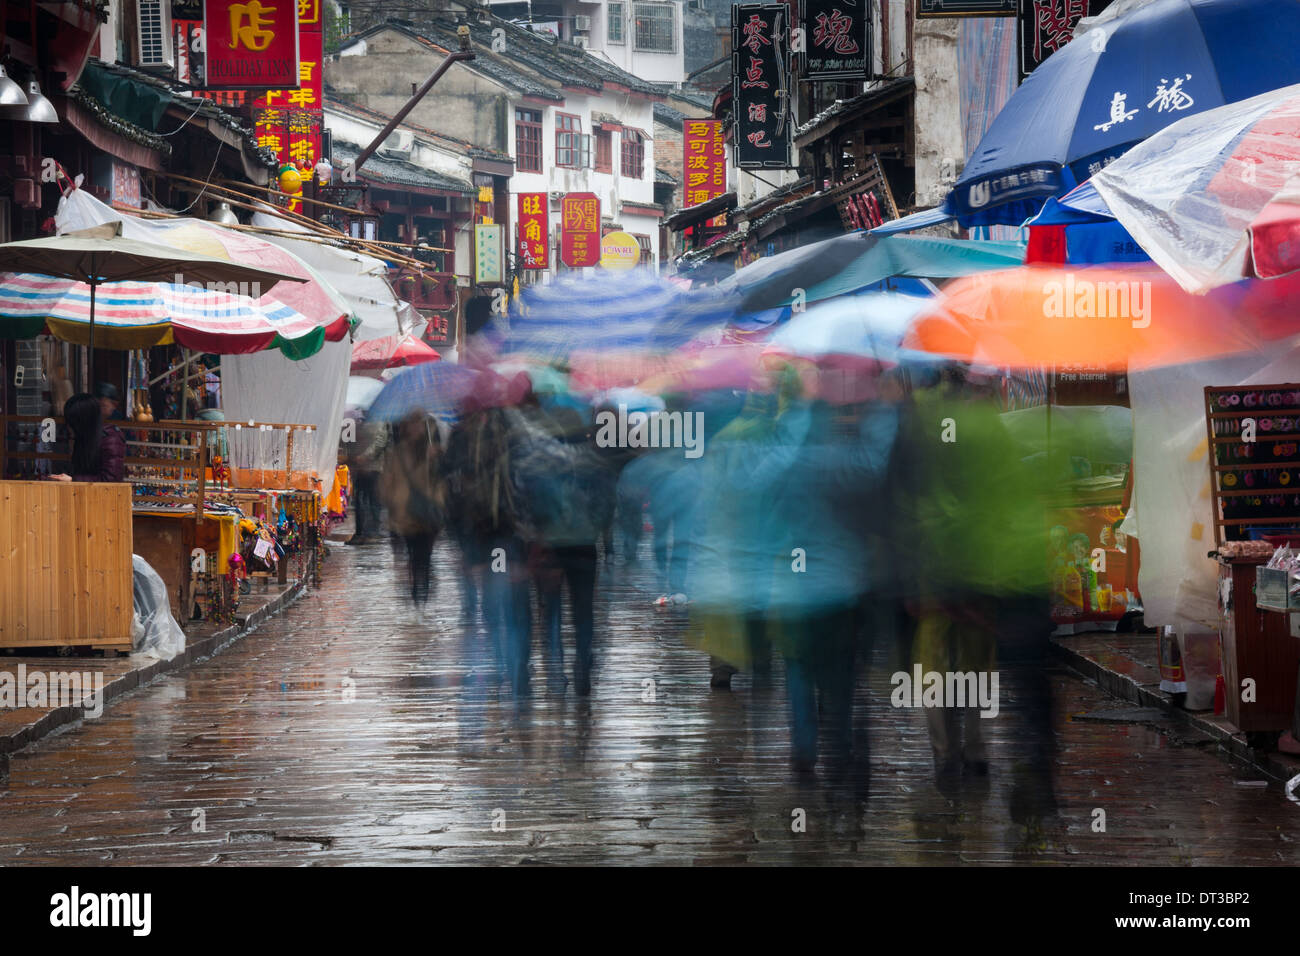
{"x":619,"y":251}
{"x":250,"y":44}
{"x":837,"y":35}
{"x":489,"y":254}
{"x":304,"y":99}
{"x":965,"y":8}
{"x":534,"y":231}
{"x":580,"y":229}
{"x":761,"y":85}
{"x":1047,"y":25}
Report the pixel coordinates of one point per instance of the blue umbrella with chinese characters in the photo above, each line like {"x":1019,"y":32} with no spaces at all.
{"x":1127,"y":77}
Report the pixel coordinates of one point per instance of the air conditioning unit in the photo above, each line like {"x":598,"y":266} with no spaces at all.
{"x":400,"y":143}
{"x":154,"y":31}
{"x":582,"y":24}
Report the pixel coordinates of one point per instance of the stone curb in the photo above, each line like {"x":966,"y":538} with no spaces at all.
{"x":196,"y":651}
{"x":1279,"y":766}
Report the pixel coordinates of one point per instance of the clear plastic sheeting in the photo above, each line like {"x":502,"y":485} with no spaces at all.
{"x":362,"y":281}
{"x":1171,"y":489}
{"x":1189,"y":193}
{"x":154,"y":632}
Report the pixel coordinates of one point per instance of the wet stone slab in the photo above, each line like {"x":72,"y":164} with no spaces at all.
{"x":353,"y":729}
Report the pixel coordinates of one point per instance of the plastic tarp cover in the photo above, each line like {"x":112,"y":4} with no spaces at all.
{"x":154,"y":631}
{"x":264,"y":387}
{"x":1188,"y":194}
{"x":362,"y":281}
{"x":1171,"y":489}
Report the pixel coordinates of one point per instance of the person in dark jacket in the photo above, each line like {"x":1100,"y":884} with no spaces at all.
{"x":98,"y":450}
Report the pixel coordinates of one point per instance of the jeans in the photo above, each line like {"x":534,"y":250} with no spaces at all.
{"x":577,"y":566}
{"x":365,"y":505}
{"x":821,"y":653}
{"x":419,"y":556}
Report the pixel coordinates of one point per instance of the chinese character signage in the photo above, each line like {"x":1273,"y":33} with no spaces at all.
{"x":965,"y":8}
{"x":1048,"y":25}
{"x":580,"y":229}
{"x":534,"y":231}
{"x":760,"y":76}
{"x":302,"y":106}
{"x":250,"y":45}
{"x":837,"y":38}
{"x":704,"y":165}
{"x":489,"y":254}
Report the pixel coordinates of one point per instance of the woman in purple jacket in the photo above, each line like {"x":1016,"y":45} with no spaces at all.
{"x":98,"y":450}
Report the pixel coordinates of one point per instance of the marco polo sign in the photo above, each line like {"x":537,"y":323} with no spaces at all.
{"x":251,"y":44}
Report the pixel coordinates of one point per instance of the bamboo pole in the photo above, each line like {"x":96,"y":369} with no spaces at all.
{"x":320,"y":237}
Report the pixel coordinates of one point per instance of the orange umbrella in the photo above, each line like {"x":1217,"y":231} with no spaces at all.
{"x":1111,"y":317}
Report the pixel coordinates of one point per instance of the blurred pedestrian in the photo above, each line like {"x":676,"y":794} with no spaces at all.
{"x":415,"y":494}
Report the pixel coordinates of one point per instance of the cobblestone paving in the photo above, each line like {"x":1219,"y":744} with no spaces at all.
{"x":353,"y":729}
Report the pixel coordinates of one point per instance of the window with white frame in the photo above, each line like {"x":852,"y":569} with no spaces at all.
{"x":614,"y":15}
{"x":654,"y":27}
{"x":572,"y":148}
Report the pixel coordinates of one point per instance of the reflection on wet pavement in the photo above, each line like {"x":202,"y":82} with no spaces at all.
{"x":355,"y":729}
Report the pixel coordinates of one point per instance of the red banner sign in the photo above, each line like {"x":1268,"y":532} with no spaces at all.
{"x":290,"y":120}
{"x":534,"y":231}
{"x":250,"y":44}
{"x":580,"y":229}
{"x":705,"y":162}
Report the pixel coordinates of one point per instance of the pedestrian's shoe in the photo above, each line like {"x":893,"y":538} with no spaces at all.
{"x":678,"y":599}
{"x":721,"y":677}
{"x":976,"y":768}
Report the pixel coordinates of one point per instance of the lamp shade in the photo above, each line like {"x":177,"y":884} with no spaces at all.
{"x":39,"y":109}
{"x":11,"y":94}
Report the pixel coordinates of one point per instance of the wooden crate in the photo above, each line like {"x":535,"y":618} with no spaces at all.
{"x":65,"y":564}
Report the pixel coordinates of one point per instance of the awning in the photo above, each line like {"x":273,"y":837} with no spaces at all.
{"x":688,"y":217}
{"x":917,"y":220}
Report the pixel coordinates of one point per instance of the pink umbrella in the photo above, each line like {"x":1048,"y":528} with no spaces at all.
{"x":392,"y":352}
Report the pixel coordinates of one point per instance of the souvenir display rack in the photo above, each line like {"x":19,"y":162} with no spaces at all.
{"x":1255,"y":484}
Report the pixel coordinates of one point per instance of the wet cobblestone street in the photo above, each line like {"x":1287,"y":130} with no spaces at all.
{"x":354,"y":729}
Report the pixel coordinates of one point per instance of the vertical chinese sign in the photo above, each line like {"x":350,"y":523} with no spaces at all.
{"x":534,"y":231}
{"x":290,"y":120}
{"x":760,"y":77}
{"x":580,"y":230}
{"x":838,"y":38}
{"x":704,"y":163}
{"x":1048,"y":25}
{"x":251,"y":45}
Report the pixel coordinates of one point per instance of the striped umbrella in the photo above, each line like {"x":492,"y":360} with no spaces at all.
{"x":137,"y":315}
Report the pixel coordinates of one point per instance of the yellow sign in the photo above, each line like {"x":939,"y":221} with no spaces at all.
{"x":618,"y":250}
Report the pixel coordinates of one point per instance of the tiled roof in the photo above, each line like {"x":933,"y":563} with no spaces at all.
{"x":669,"y":116}
{"x":197,"y":106}
{"x":529,"y":59}
{"x":663,"y":176}
{"x":862,"y":101}
{"x":397,"y":171}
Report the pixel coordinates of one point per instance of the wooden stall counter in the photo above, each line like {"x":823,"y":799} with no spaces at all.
{"x":65,"y":564}
{"x":1257,"y":644}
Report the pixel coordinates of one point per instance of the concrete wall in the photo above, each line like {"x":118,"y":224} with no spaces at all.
{"x":940,"y":150}
{"x":378,"y":74}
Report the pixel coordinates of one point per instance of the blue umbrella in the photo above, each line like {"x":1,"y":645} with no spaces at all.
{"x":1112,"y":87}
{"x":434,"y":387}
{"x":615,"y":312}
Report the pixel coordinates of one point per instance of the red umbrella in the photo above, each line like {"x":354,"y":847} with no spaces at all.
{"x":392,"y":352}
